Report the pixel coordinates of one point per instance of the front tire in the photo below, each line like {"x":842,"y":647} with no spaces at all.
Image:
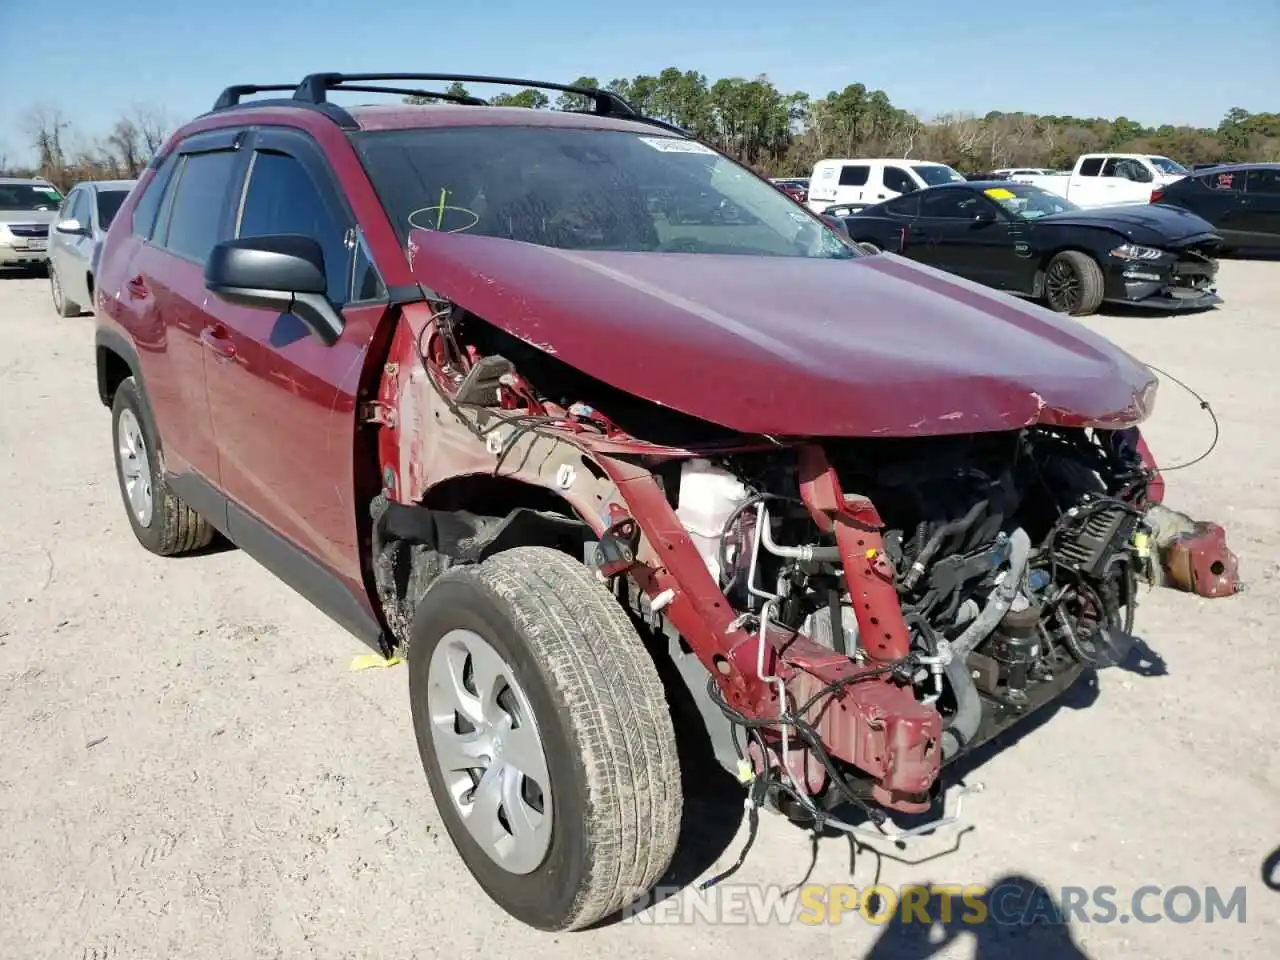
{"x":66,"y":308}
{"x":1073,"y":284}
{"x":546,"y":737}
{"x":160,"y":520}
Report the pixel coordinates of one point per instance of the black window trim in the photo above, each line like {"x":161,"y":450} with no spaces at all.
{"x":161,"y":180}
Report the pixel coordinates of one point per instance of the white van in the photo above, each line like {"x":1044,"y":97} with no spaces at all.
{"x":862,"y":183}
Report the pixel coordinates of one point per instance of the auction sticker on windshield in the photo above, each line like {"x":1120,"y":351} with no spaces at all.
{"x":673,"y":145}
{"x":1000,"y":193}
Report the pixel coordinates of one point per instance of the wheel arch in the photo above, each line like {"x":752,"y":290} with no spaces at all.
{"x":116,"y":361}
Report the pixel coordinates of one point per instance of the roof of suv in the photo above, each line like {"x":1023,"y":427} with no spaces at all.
{"x":397,"y":116}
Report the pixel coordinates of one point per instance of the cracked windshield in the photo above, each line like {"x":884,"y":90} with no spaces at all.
{"x":588,"y":190}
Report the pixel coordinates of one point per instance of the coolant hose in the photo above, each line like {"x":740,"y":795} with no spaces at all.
{"x":963,"y":724}
{"x":1000,"y":600}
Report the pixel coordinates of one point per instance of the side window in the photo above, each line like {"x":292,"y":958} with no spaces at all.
{"x":1091,"y":167}
{"x":1226,"y":180}
{"x":148,"y":205}
{"x":80,"y":207}
{"x":1111,"y":167}
{"x":854,"y":175}
{"x":949,"y":205}
{"x":64,"y":210}
{"x":898,"y":180}
{"x":1263,"y":181}
{"x":282,"y":198}
{"x":199,"y":200}
{"x":908,"y":206}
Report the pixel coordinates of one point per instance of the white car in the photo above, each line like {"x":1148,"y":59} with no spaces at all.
{"x":852,"y":184}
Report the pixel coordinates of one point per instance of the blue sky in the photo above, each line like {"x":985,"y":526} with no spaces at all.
{"x":1155,"y":62}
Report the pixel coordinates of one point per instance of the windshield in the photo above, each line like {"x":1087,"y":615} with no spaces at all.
{"x":579,"y":189}
{"x":1165,"y":165}
{"x":28,"y":196}
{"x":109,"y":202}
{"x":1025,"y":202}
{"x":935,"y":174}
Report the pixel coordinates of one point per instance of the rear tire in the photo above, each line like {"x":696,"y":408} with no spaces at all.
{"x":1073,"y":284}
{"x":160,"y":520}
{"x":868,"y":247}
{"x":585,"y":710}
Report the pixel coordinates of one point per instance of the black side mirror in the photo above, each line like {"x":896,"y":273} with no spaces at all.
{"x":983,"y":217}
{"x":283,"y":273}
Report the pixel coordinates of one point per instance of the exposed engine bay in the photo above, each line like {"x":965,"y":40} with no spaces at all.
{"x":1016,"y":558}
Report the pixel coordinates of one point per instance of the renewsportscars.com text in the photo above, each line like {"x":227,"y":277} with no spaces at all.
{"x":964,"y":904}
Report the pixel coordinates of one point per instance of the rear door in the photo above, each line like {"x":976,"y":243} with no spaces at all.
{"x":1087,"y":188}
{"x":1219,"y":198}
{"x":166,"y":285}
{"x":284,"y":404}
{"x":1260,"y":217}
{"x":852,"y":184}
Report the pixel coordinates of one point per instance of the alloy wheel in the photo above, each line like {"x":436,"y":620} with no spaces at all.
{"x":489,"y":751}
{"x":135,"y":466}
{"x":1063,"y":287}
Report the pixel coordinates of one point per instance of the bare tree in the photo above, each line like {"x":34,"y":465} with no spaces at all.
{"x":46,"y":125}
{"x":125,"y":143}
{"x":154,"y":125}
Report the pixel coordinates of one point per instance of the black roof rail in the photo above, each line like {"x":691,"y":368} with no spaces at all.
{"x":230,"y":97}
{"x":314,"y":88}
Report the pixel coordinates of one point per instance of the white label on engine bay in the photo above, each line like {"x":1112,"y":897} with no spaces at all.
{"x":674,"y":145}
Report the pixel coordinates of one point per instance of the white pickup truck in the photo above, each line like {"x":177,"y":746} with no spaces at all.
{"x":1106,"y":179}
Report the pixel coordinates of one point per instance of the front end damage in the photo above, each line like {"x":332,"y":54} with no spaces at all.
{"x":866,"y":609}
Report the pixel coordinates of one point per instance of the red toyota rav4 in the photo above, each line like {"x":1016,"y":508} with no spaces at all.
{"x":450,"y":372}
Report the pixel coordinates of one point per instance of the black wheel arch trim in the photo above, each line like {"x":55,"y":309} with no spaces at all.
{"x":106,"y":340}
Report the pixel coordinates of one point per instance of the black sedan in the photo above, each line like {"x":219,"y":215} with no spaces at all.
{"x":1032,"y":243}
{"x":1241,"y":200}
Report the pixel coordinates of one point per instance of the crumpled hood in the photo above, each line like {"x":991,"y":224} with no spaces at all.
{"x":876,"y":346}
{"x":1149,"y":223}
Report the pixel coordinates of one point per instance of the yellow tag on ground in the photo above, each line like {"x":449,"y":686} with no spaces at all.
{"x":366,"y":660}
{"x":1000,"y":193}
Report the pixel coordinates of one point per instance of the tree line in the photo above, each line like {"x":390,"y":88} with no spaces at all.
{"x":772,"y":131}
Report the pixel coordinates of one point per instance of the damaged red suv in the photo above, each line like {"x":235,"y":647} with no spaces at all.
{"x":455,"y":374}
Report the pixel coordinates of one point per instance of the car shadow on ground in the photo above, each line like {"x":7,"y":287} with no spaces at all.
{"x":1015,"y":918}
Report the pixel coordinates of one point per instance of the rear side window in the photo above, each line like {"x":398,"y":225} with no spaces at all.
{"x":148,"y":205}
{"x":109,"y":203}
{"x":908,"y":206}
{"x":1091,"y":167}
{"x":198,"y":205}
{"x":949,"y":204}
{"x":854,"y":175}
{"x":898,"y":180}
{"x":1263,"y":181}
{"x":282,"y":198}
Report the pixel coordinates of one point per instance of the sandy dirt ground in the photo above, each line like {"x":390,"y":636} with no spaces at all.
{"x":188,"y":768}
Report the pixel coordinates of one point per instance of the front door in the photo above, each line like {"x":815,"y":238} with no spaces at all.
{"x":283,"y":403}
{"x":950,"y":236}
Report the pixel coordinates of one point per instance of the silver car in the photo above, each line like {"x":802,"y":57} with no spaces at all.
{"x":77,"y":234}
{"x":27,"y":207}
